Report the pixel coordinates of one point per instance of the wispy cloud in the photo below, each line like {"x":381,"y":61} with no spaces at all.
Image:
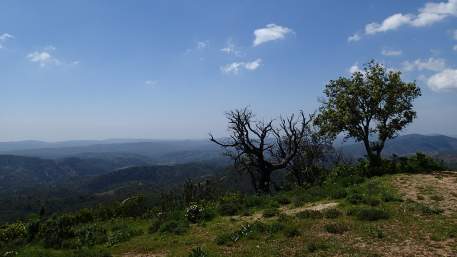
{"x":445,"y":80}
{"x":46,"y":57}
{"x":391,"y":52}
{"x":354,"y":38}
{"x":43,"y":58}
{"x":429,"y":14}
{"x":430,"y":64}
{"x":5,"y":37}
{"x":151,"y":83}
{"x":235,"y":67}
{"x":231,"y":49}
{"x":270,"y":32}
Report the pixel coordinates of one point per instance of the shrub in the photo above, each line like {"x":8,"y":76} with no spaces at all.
{"x":13,"y":232}
{"x":315,"y":246}
{"x":92,"y":235}
{"x":332,"y":213}
{"x":224,"y":239}
{"x":268,"y":213}
{"x":291,"y":231}
{"x":338,"y":193}
{"x":309,"y":214}
{"x":195,"y":213}
{"x":372,"y":201}
{"x":229,"y":208}
{"x":121,"y":233}
{"x":283,"y":200}
{"x":154,"y":226}
{"x":177,"y":227}
{"x":389,"y":197}
{"x":372,"y":214}
{"x":355,"y":198}
{"x":198,"y":252}
{"x":275,"y":227}
{"x":336,"y":228}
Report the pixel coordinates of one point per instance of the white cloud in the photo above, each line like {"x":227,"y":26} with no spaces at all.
{"x":455,"y":47}
{"x":354,"y":38}
{"x":390,"y":23}
{"x":355,"y":68}
{"x":5,"y":37}
{"x":202,"y":44}
{"x":45,"y":57}
{"x":391,"y":52}
{"x":443,"y":81}
{"x":431,"y":64}
{"x":271,"y":32}
{"x":151,"y":83}
{"x":231,"y":49}
{"x":235,"y":67}
{"x":427,"y":15}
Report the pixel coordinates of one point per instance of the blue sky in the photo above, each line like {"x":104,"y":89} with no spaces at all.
{"x":170,"y":69}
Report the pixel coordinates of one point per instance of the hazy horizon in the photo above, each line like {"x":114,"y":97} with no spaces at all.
{"x":86,"y":70}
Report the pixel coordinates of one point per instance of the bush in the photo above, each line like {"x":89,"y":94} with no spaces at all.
{"x":229,"y":208}
{"x":291,"y":231}
{"x":309,"y":214}
{"x":389,"y":197}
{"x":268,"y":213}
{"x":336,"y":228}
{"x":198,"y":252}
{"x":355,"y":198}
{"x":372,"y":201}
{"x":177,"y":227}
{"x":13,"y":232}
{"x":283,"y":200}
{"x":121,"y":233}
{"x":316,"y":246}
{"x":92,"y":235}
{"x":195,"y":213}
{"x":275,"y":227}
{"x":332,"y":213}
{"x":372,"y":214}
{"x":155,"y":226}
{"x":224,"y":239}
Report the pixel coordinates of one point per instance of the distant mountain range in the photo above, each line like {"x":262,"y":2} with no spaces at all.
{"x":407,"y":145}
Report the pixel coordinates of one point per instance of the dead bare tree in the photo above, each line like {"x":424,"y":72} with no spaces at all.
{"x":308,"y":164}
{"x":259,"y":148}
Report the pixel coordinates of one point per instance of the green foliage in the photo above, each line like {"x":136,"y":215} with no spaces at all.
{"x":417,"y":163}
{"x":121,"y":233}
{"x":177,"y":227}
{"x":371,"y":214}
{"x":91,"y":235}
{"x":195,"y":213}
{"x":198,"y":252}
{"x":13,"y":232}
{"x":375,"y":102}
{"x":282,"y":199}
{"x":230,"y":205}
{"x":336,"y":228}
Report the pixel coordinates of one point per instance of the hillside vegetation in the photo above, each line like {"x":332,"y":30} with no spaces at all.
{"x":347,"y":214}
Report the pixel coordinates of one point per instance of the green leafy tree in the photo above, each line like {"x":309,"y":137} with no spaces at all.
{"x":371,"y":106}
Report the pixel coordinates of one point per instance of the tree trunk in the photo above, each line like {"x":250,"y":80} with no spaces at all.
{"x":265,"y":181}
